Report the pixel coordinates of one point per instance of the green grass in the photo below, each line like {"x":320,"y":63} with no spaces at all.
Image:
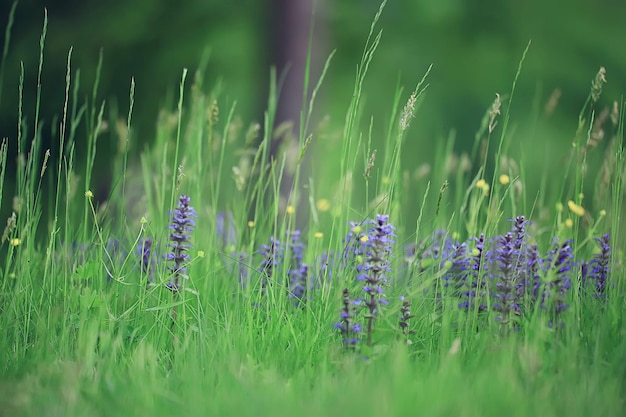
{"x":81,"y":334}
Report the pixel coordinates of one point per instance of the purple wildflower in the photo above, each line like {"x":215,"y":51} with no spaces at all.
{"x":235,"y":262}
{"x":243,"y":263}
{"x":298,"y":270}
{"x":439,"y":248}
{"x":273,"y":255}
{"x":533,"y":263}
{"x":506,"y":279}
{"x":514,"y":269}
{"x":518,"y":229}
{"x":354,"y":249}
{"x":146,"y":259}
{"x":474,"y":285}
{"x":559,"y":262}
{"x":225,"y":229}
{"x":348,"y":329}
{"x":182,"y":224}
{"x":458,"y":268}
{"x":325,"y":268}
{"x":596,"y":271}
{"x":437,"y":251}
{"x":405,"y":316}
{"x":373,"y":271}
{"x":563,"y":266}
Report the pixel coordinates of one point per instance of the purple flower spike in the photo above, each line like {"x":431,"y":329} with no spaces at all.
{"x":348,"y":329}
{"x":226,"y":233}
{"x":373,"y":271}
{"x":506,"y":295}
{"x":182,"y":224}
{"x":273,"y":256}
{"x":298,"y":270}
{"x":558,"y":268}
{"x":596,"y":271}
{"x":475,"y":285}
{"x":405,"y":316}
{"x":458,"y":269}
{"x":145,"y":252}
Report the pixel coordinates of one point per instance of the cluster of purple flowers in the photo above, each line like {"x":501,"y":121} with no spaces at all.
{"x":366,"y":258}
{"x":273,"y":255}
{"x":504,"y":277}
{"x":286,"y":259}
{"x":506,"y":274}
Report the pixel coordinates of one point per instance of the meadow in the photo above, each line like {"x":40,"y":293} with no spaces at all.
{"x":205,"y":283}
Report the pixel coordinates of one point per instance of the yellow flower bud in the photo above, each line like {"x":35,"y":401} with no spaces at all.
{"x":576,"y":209}
{"x":323,"y":204}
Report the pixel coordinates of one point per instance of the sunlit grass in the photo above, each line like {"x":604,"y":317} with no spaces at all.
{"x":96,"y":320}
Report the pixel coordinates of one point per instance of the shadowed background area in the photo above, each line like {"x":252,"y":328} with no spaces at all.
{"x":474,"y":46}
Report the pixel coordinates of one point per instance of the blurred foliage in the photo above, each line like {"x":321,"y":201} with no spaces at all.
{"x":149,"y":40}
{"x":474,"y":46}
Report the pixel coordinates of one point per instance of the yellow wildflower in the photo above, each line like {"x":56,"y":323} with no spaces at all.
{"x":323,"y":204}
{"x":482,"y":184}
{"x":576,"y":209}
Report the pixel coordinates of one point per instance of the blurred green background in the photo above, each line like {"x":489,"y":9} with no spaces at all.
{"x":474,"y":46}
